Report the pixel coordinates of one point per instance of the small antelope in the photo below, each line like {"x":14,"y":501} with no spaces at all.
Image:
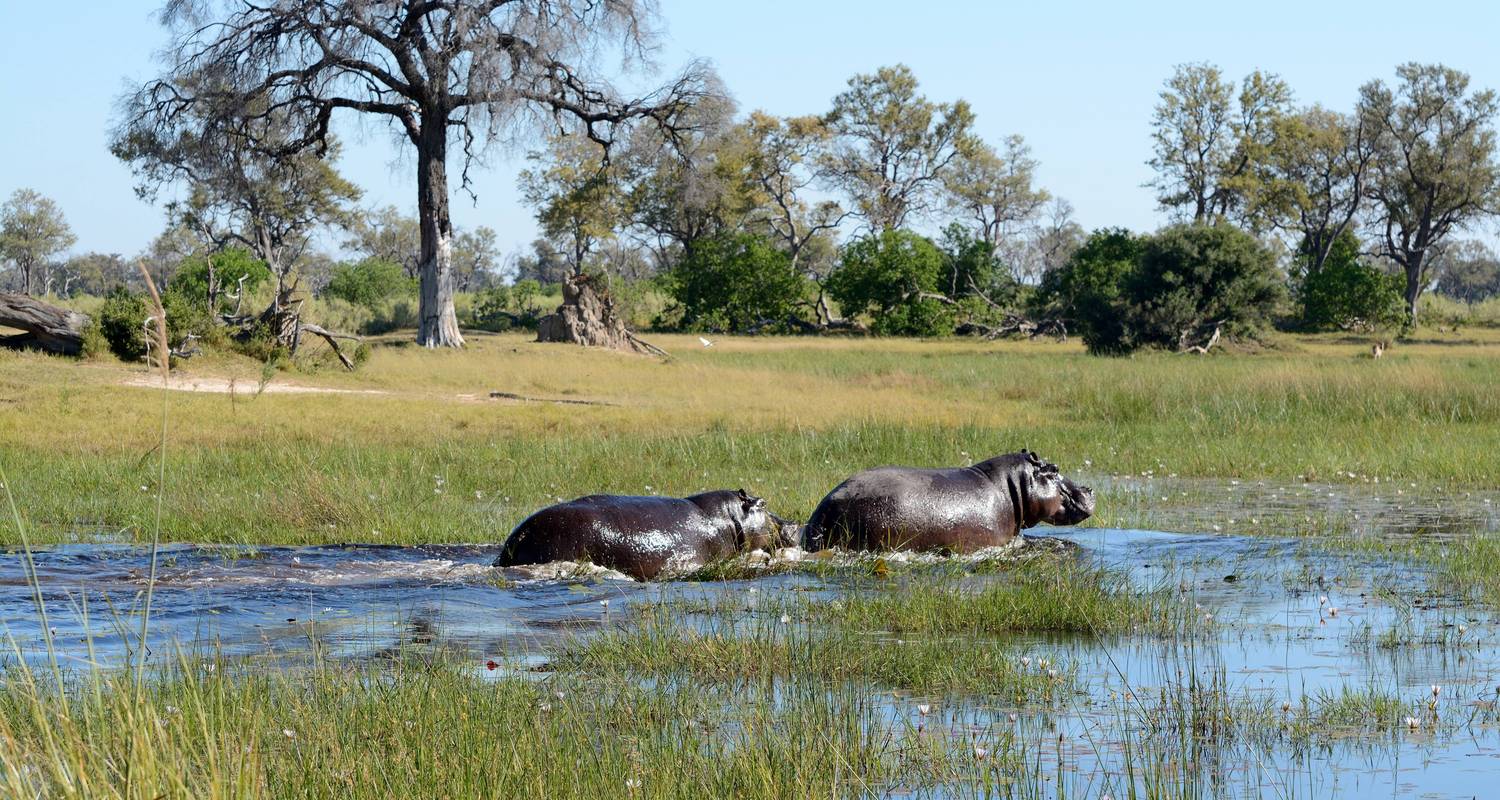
{"x":1377,"y":350}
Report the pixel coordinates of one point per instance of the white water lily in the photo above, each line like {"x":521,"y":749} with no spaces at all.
{"x":1413,"y":723}
{"x":923,"y":709}
{"x":785,"y":620}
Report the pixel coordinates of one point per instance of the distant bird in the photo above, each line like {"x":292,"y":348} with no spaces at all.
{"x":706,"y":343}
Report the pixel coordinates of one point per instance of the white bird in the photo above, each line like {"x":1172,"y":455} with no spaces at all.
{"x":706,"y":343}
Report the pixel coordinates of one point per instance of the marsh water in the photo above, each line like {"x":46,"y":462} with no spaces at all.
{"x":1292,"y":619}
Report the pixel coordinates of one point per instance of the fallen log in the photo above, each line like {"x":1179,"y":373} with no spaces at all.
{"x":46,"y":327}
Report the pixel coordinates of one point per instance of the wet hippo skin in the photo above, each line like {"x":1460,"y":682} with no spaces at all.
{"x":644,"y":536}
{"x":961,"y":509}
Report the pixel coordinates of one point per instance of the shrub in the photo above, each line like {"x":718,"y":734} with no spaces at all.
{"x":1348,"y":293}
{"x":369,"y":283}
{"x":734,"y":281}
{"x":971,"y":267}
{"x":1191,"y":278}
{"x":1088,"y":291}
{"x":228,"y":266}
{"x":501,"y":308}
{"x":120,"y":320}
{"x":885,"y":275}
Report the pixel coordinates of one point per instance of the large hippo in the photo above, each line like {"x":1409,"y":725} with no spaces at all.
{"x":643,"y":536}
{"x":962,"y":509}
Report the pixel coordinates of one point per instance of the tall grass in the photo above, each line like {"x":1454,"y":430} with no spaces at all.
{"x":431,"y":458}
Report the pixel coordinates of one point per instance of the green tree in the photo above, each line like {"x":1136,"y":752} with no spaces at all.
{"x":1434,"y":169}
{"x":734,"y":281}
{"x":1209,"y":140}
{"x":576,"y":194}
{"x":698,"y":186}
{"x":369,"y":282}
{"x":1192,"y":280}
{"x":893,"y":147}
{"x":1088,"y":291}
{"x":1348,"y":293}
{"x":1312,"y":182}
{"x":242,"y":186}
{"x":972,"y":267}
{"x":32,"y":232}
{"x":894,"y":275}
{"x":1468,"y":272}
{"x":993,"y":189}
{"x":388,"y":235}
{"x":205,"y":280}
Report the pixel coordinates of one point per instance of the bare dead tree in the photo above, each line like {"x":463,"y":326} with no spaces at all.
{"x":441,"y":71}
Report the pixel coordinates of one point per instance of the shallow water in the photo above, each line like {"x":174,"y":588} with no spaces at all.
{"x":1274,"y":635}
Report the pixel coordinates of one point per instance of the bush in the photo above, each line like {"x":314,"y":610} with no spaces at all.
{"x":1088,"y":291}
{"x":501,"y":308}
{"x":369,"y":283}
{"x":120,"y":322}
{"x":971,"y":268}
{"x":884,"y":275}
{"x":1348,"y":293}
{"x":734,"y":281}
{"x":228,"y":266}
{"x":1193,"y":277}
{"x":1169,"y":290}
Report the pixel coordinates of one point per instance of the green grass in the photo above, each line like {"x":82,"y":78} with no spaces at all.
{"x":431,"y":458}
{"x":931,"y":630}
{"x":435,"y":730}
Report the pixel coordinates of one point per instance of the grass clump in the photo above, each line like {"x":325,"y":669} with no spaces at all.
{"x":413,"y":729}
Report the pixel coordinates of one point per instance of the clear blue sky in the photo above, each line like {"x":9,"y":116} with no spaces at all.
{"x":1077,"y":79}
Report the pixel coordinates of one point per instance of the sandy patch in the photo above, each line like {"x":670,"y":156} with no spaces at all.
{"x":227,"y":386}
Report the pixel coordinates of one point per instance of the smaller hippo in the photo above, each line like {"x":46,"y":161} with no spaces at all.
{"x":645,"y":536}
{"x":961,"y":510}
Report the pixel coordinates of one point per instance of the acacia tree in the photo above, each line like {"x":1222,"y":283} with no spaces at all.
{"x":995,"y":189}
{"x":1313,"y":180}
{"x":1434,"y":169}
{"x":242,"y":189}
{"x":388,"y":235}
{"x":700,"y":186}
{"x":1209,"y":142}
{"x":576,"y":193}
{"x":784,"y":163}
{"x":440,"y":70}
{"x":893,"y":146}
{"x":32,"y":231}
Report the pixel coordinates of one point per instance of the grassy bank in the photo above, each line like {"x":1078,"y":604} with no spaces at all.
{"x":414,"y":449}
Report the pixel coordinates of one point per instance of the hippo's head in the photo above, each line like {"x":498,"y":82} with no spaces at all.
{"x":759,"y":528}
{"x":1049,"y":497}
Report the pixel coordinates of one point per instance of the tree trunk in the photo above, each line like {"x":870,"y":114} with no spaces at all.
{"x":588,"y":318}
{"x":49,"y":328}
{"x":1413,"y":286}
{"x":438,"y":321}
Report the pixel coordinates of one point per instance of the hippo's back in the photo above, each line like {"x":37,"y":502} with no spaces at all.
{"x":635,"y":535}
{"x":911,"y":508}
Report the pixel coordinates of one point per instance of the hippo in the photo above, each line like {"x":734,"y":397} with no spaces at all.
{"x":646,"y":536}
{"x":959,"y":510}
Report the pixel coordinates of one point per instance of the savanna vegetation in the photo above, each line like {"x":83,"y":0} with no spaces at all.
{"x":866,"y":283}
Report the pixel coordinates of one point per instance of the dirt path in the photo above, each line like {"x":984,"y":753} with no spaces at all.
{"x":230,"y":386}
